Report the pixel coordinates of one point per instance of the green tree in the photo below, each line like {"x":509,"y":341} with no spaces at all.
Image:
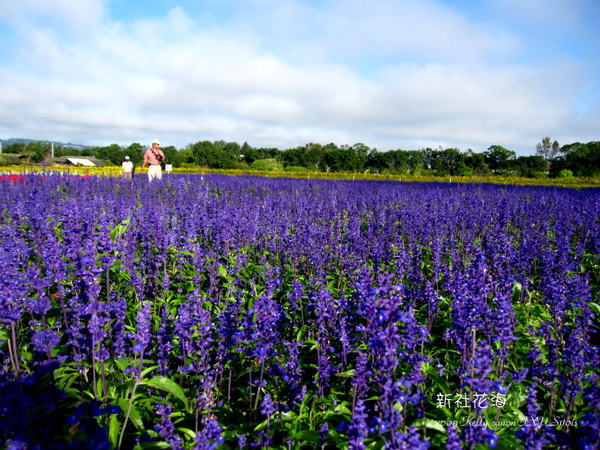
{"x":294,"y":157}
{"x":18,"y":148}
{"x":233,"y":148}
{"x":581,"y":159}
{"x":135,"y":152}
{"x":315,"y":157}
{"x":207,"y":154}
{"x":111,"y":153}
{"x":498,"y":158}
{"x":183,"y":157}
{"x":378,"y":162}
{"x":37,"y":150}
{"x":531,"y":166}
{"x":476,"y":161}
{"x":416,"y":161}
{"x":67,"y":151}
{"x":170,"y":154}
{"x":447,"y":162}
{"x":248,"y":154}
{"x":361,"y":154}
{"x":340,"y":160}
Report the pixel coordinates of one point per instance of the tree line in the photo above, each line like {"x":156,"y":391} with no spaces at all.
{"x":550,"y":159}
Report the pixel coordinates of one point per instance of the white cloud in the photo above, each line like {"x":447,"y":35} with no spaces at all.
{"x":388,"y":74}
{"x":78,"y":18}
{"x":414,"y":29}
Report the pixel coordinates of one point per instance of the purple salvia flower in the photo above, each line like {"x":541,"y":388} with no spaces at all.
{"x":482,"y":435}
{"x":531,"y":433}
{"x":97,"y":321}
{"x":45,"y":340}
{"x":143,"y":335}
{"x":267,"y":408}
{"x":165,"y":427}
{"x":453,"y":441}
{"x":210,"y":437}
{"x":323,"y":433}
{"x":292,"y":373}
{"x":360,"y":378}
{"x":358,"y":430}
{"x":164,"y":345}
{"x":589,"y":425}
{"x":412,"y":440}
{"x":118,"y":337}
{"x":184,"y":329}
{"x":323,"y":303}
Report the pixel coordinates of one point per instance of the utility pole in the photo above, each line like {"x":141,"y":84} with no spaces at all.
{"x":52,"y":147}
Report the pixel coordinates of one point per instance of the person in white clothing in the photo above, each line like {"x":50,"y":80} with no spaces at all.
{"x":127,"y":168}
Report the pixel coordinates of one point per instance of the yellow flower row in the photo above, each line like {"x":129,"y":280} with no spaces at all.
{"x":115,"y":171}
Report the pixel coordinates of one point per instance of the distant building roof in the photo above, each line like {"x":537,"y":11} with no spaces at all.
{"x":13,"y":158}
{"x":88,"y":161}
{"x":81,"y":162}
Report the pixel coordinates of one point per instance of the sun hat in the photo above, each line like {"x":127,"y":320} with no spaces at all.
{"x":127,"y":157}
{"x":156,"y":141}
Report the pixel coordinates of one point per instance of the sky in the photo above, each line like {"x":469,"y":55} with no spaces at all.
{"x":390,"y":74}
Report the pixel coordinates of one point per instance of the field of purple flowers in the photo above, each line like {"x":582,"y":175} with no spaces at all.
{"x":242,"y":312}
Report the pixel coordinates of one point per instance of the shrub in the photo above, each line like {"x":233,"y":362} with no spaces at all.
{"x":296,"y":169}
{"x":266,"y":164}
{"x":539,"y":175}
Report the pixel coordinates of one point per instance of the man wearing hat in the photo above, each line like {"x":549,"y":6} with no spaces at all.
{"x":154,"y":157}
{"x":127,"y":168}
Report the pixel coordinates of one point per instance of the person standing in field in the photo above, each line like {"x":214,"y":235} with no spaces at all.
{"x":127,"y":168}
{"x":154,"y":157}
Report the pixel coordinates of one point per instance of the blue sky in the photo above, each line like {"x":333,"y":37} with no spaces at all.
{"x":391,"y":74}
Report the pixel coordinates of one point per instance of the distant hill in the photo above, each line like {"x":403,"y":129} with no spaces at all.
{"x":6,"y":142}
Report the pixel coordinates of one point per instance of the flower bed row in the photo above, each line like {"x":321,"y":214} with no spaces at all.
{"x":242,"y":312}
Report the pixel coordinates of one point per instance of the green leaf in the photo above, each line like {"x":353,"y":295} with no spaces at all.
{"x":440,"y":382}
{"x":151,"y":445}
{"x":516,"y":292}
{"x":346,"y":374}
{"x":313,"y":344}
{"x":595,"y":308}
{"x":147,"y":369}
{"x":168,"y":385}
{"x":261,"y":426}
{"x":134,"y":414}
{"x":120,"y":229}
{"x":113,"y":429}
{"x":343,"y":409}
{"x":123,"y":363}
{"x":307,"y":435}
{"x":188,"y":432}
{"x":429,"y":423}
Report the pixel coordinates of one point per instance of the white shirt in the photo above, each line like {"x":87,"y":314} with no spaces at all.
{"x":127,"y":166}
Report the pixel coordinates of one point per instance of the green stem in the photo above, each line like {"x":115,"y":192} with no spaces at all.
{"x":262,"y":370}
{"x":138,"y":380}
{"x":128,"y":413}
{"x":13,"y":351}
